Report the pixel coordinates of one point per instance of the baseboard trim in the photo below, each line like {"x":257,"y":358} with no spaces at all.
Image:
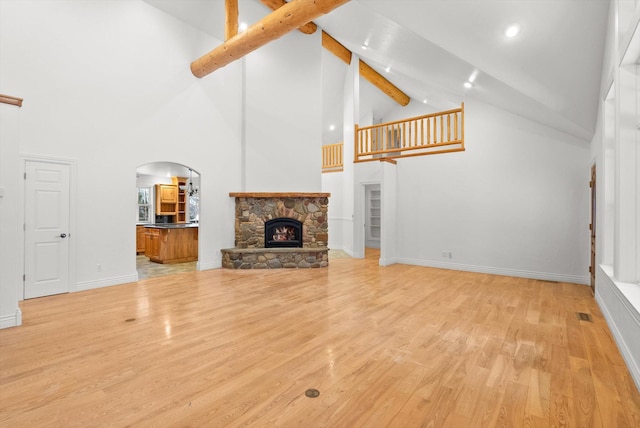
{"x":543,"y":276}
{"x":106,"y":282}
{"x":15,"y":320}
{"x":387,"y":262}
{"x":215,"y":264}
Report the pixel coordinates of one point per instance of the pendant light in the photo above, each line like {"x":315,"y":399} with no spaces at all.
{"x":190,"y":189}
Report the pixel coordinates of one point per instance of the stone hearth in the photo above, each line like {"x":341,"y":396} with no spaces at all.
{"x":253,"y":210}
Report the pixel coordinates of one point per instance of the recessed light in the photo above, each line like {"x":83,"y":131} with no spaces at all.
{"x":388,"y":69}
{"x":332,"y":127}
{"x":512,"y":30}
{"x":468,"y":85}
{"x":242,"y":27}
{"x":364,"y":46}
{"x":472,"y":77}
{"x":424,"y":101}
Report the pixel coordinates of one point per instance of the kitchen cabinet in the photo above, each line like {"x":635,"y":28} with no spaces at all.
{"x":166,"y":199}
{"x":151,"y":244}
{"x":171,"y":244}
{"x":140,"y":239}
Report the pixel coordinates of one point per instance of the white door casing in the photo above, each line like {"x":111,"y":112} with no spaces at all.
{"x":47,"y":226}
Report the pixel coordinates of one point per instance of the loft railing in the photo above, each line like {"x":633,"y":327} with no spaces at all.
{"x":441,"y":132}
{"x":332,"y":157}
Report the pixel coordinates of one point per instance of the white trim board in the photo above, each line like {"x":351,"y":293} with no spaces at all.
{"x":543,"y":276}
{"x":105,"y":282}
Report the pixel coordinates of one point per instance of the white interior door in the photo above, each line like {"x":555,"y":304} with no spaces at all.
{"x":46,"y":229}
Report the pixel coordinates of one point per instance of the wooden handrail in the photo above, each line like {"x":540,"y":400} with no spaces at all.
{"x":332,"y":157}
{"x":441,"y":132}
{"x":8,"y":99}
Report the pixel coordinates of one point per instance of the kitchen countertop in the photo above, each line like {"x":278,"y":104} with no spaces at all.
{"x":171,"y":225}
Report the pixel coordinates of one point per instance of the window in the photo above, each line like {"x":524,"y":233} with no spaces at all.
{"x":144,"y":204}
{"x":194,"y":208}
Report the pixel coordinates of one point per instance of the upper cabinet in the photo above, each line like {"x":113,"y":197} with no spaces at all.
{"x":166,"y":199}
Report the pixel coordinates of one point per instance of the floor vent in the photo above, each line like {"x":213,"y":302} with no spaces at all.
{"x":312,"y":393}
{"x":584,"y":317}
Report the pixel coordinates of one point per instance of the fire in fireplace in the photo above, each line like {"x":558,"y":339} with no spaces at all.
{"x":282,"y":232}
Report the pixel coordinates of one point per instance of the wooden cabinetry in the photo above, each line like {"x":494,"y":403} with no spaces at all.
{"x":152,"y":243}
{"x":181,"y":215}
{"x":166,"y":199}
{"x":140,"y":239}
{"x":171,"y":245}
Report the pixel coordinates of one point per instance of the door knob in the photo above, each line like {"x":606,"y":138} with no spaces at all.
{"x":63,"y":235}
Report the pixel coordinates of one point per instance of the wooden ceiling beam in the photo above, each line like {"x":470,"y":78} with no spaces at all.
{"x":308,"y":28}
{"x":336,"y":48}
{"x":381,"y":82}
{"x":231,"y":18}
{"x":273,"y":26}
{"x":375,"y":78}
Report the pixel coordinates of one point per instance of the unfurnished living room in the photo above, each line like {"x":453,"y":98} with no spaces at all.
{"x":326,"y":213}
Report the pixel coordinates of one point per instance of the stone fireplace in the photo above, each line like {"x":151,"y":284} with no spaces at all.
{"x":279,"y":230}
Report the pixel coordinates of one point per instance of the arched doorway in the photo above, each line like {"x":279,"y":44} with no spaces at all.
{"x":168,"y":216}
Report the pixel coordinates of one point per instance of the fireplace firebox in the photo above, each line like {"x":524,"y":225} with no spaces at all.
{"x":283,"y":233}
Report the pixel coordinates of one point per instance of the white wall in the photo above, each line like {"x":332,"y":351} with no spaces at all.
{"x":10,"y":230}
{"x":284,"y":117}
{"x":515,"y":202}
{"x":107,"y":85}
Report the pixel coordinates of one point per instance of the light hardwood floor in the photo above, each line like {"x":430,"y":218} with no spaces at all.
{"x":400,"y":346}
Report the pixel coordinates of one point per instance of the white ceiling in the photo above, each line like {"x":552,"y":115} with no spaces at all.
{"x":549,"y":73}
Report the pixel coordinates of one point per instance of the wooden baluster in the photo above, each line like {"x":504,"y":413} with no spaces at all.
{"x":455,"y":126}
{"x":396,"y":136}
{"x":404,"y":134}
{"x":435,"y":130}
{"x":448,"y":127}
{"x":386,"y":138}
{"x":428,"y":130}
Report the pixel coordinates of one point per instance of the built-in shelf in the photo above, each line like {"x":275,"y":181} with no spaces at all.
{"x":373,"y":209}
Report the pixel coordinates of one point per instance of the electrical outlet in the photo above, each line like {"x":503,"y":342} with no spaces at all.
{"x":99,"y":268}
{"x":447,"y":254}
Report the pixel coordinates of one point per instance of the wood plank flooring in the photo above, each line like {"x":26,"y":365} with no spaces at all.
{"x":397,"y":346}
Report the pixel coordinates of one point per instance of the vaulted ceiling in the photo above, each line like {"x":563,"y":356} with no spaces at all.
{"x":550,"y":72}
